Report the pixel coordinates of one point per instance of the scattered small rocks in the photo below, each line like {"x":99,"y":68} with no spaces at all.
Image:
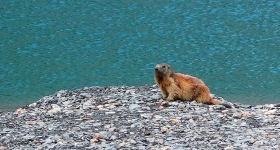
{"x":137,"y":118}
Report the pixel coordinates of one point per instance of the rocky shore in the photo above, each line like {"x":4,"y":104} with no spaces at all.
{"x":136,"y":118}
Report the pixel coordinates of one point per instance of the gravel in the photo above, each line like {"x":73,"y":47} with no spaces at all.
{"x":137,"y":118}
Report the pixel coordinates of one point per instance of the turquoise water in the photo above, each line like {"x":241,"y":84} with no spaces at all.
{"x":47,"y":46}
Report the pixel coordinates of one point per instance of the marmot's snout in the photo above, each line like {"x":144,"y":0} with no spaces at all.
{"x":157,"y":68}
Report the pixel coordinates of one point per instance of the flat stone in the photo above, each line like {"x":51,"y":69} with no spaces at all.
{"x":28,"y":137}
{"x":181,"y":106}
{"x":113,"y":137}
{"x":20,"y":111}
{"x":96,"y":124}
{"x":113,"y":129}
{"x":54,"y":110}
{"x":157,"y":117}
{"x":160,"y":141}
{"x":134,"y":106}
{"x":151,"y":140}
{"x":85,"y":95}
{"x":88,"y":103}
{"x":246,"y":106}
{"x":110,"y":113}
{"x":243,"y":124}
{"x":175,"y":120}
{"x":155,"y":96}
{"x":164,"y":129}
{"x":55,"y":106}
{"x":105,"y":134}
{"x":136,"y":124}
{"x":145,"y":116}
{"x":97,"y":137}
{"x":154,"y":90}
{"x":31,"y":122}
{"x":258,"y":143}
{"x":3,"y":148}
{"x":33,"y":105}
{"x":6,"y":130}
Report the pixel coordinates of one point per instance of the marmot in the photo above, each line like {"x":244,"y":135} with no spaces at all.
{"x":183,"y":87}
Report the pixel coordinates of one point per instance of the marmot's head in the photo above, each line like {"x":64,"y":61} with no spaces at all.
{"x":163,"y":70}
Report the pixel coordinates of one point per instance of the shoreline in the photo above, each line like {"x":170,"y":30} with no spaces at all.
{"x":122,"y":117}
{"x":7,"y":107}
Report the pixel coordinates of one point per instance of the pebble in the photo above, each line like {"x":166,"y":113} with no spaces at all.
{"x":85,"y":95}
{"x":47,"y":141}
{"x":145,"y":116}
{"x":54,"y":110}
{"x":181,"y":106}
{"x":133,"y":106}
{"x":174,"y":121}
{"x":3,"y":148}
{"x":164,"y":129}
{"x":155,"y":96}
{"x":157,"y":117}
{"x":136,"y":118}
{"x":110,"y":113}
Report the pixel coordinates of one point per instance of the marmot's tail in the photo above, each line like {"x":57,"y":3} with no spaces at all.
{"x":216,"y":102}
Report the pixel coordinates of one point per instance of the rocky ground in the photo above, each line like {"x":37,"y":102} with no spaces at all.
{"x":136,"y":118}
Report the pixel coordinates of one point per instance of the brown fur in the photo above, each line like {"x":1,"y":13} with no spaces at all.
{"x":184,"y":87}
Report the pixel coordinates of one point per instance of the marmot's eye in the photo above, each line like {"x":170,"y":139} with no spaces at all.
{"x":163,"y":66}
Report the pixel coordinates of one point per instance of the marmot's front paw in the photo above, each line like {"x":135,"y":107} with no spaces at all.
{"x":164,"y":95}
{"x":170,"y":98}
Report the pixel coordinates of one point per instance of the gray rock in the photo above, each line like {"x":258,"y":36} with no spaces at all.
{"x":28,"y":137}
{"x":6,"y":130}
{"x":145,"y":116}
{"x":85,"y":95}
{"x":157,"y":117}
{"x":258,"y":143}
{"x":96,"y":124}
{"x":110,"y":113}
{"x":41,"y":124}
{"x":155,"y":96}
{"x":3,"y":148}
{"x":181,"y":106}
{"x":134,"y":106}
{"x":113,"y":137}
{"x":151,"y":140}
{"x":105,"y":134}
{"x":54,"y":110}
{"x":47,"y":141}
{"x":155,"y":90}
{"x":136,"y":124}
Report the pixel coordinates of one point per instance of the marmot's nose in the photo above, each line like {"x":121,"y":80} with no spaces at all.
{"x":156,"y":69}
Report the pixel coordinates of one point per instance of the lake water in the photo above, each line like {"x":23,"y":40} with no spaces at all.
{"x":46,"y":46}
